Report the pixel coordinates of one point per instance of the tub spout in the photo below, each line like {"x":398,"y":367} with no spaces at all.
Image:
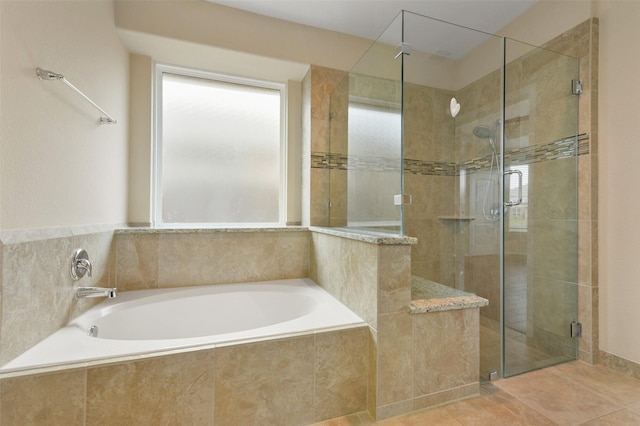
{"x":88,"y":292}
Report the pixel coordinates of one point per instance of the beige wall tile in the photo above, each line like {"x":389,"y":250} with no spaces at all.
{"x":372,"y":384}
{"x":53,"y":399}
{"x":338,"y":198}
{"x":482,"y":277}
{"x":347,"y":269}
{"x":137,"y":261}
{"x":186,"y":259}
{"x":341,"y":373}
{"x":553,"y":249}
{"x":320,"y":197}
{"x":553,"y":192}
{"x":178,"y":389}
{"x":306,"y":149}
{"x":394,"y":278}
{"x":37,"y":288}
{"x":265,"y":383}
{"x":37,"y":293}
{"x":320,"y":129}
{"x":323,"y":82}
{"x":584,"y":252}
{"x":446,"y":347}
{"x":396,"y":370}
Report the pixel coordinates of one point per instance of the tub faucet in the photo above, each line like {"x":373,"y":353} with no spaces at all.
{"x":89,"y":292}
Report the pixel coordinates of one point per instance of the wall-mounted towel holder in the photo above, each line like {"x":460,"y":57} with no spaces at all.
{"x":50,"y":75}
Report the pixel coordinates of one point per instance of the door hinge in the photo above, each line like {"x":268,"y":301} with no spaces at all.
{"x":576,"y":87}
{"x":576,"y":329}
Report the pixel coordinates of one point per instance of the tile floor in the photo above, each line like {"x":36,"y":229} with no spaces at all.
{"x":574,"y":393}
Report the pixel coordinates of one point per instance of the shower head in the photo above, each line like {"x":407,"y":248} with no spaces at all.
{"x":483,"y":132}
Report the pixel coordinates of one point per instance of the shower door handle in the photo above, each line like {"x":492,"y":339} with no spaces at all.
{"x":519,"y":200}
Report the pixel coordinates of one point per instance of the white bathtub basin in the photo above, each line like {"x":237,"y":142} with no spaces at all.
{"x":150,"y":322}
{"x":199,"y":311}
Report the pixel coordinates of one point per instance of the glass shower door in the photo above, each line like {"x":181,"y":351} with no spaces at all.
{"x":540,"y":226}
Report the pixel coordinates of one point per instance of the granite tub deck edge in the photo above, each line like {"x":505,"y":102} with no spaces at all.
{"x":434,"y":297}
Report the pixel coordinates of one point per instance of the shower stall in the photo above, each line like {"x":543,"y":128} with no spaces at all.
{"x":469,"y":142}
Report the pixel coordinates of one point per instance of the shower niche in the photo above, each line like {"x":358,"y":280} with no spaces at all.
{"x":487,"y":184}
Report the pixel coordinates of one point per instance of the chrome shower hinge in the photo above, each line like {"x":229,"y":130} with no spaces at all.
{"x":576,"y":87}
{"x":576,"y":329}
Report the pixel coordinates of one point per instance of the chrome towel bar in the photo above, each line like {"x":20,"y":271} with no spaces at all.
{"x":50,"y":75}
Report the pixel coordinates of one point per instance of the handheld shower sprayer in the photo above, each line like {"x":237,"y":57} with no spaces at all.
{"x":483,"y":131}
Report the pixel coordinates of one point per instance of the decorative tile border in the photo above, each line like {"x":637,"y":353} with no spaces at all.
{"x":555,"y":150}
{"x":433,"y":168}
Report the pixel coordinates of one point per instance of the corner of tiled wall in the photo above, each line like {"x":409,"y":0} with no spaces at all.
{"x":581,"y":42}
{"x":318,"y":86}
{"x":37,"y":289}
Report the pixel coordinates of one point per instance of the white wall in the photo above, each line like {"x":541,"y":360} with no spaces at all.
{"x":58,"y":167}
{"x":619,"y":174}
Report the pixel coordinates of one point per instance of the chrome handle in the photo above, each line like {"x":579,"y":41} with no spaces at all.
{"x":80,"y":264}
{"x":519,"y":201}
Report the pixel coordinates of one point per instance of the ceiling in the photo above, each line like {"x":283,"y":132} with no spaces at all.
{"x":370,"y":18}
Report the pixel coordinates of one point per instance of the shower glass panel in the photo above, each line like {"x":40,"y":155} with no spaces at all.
{"x":454,"y":164}
{"x":541,"y":232}
{"x":452,"y":174}
{"x":366,"y":140}
{"x":481,"y":132}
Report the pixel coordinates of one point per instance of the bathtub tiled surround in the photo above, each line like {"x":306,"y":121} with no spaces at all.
{"x":288,"y":381}
{"x":38,"y":292}
{"x":417,"y":360}
{"x":255,"y":382}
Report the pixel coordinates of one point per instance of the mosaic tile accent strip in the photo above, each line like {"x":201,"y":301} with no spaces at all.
{"x":326,"y":160}
{"x":433,"y":168}
{"x":555,"y":150}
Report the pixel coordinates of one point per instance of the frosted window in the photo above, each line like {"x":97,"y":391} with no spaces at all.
{"x":220,"y":152}
{"x":374,"y":165}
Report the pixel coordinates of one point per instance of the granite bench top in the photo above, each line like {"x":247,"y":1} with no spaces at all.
{"x":429,"y":296}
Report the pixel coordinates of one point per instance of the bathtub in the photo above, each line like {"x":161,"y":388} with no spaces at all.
{"x":139,"y":324}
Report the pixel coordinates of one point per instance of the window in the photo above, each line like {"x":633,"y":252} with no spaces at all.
{"x":219,"y":149}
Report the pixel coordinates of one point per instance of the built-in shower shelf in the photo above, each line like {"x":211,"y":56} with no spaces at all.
{"x":456,"y":217}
